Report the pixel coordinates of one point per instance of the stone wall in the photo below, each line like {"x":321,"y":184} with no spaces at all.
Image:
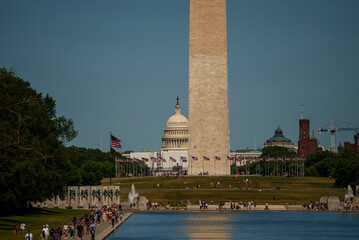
{"x":83,"y":196}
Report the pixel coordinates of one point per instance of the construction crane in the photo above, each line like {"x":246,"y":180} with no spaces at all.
{"x":333,"y":132}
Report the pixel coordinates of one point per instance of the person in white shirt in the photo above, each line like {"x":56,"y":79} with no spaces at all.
{"x":66,"y":230}
{"x":28,"y":235}
{"x":22,"y":227}
{"x":46,"y":230}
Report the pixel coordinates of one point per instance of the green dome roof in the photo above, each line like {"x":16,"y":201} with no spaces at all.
{"x":278,"y":136}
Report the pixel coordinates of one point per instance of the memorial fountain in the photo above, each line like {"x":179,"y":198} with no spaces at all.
{"x":132,"y":195}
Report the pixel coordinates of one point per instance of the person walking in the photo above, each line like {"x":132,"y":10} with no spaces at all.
{"x":65,"y":230}
{"x":22,"y":227}
{"x":113,"y":220}
{"x":42,"y":236}
{"x":15,"y":228}
{"x":72,"y":231}
{"x":28,"y":235}
{"x":93,"y":232}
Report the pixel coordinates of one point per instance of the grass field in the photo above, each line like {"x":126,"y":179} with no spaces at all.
{"x":292,"y":190}
{"x":34,"y":220}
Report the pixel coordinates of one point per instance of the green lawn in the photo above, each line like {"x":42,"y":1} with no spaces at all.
{"x":299,"y":190}
{"x":34,"y":220}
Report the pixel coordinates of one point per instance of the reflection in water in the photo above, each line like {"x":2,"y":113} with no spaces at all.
{"x":208,"y":226}
{"x":239,"y":225}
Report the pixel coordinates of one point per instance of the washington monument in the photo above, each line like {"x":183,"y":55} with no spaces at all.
{"x":208,"y":89}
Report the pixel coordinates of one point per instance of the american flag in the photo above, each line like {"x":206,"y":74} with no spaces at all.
{"x":287,"y":159}
{"x":163,"y":160}
{"x":229,"y":158}
{"x":145,"y":159}
{"x":194,"y":158}
{"x":115,"y":142}
{"x":270,"y":159}
{"x":217,"y":158}
{"x":118,"y":159}
{"x":259,"y":159}
{"x":205,"y":158}
{"x":280,"y":159}
{"x":153,"y":159}
{"x":183,"y":159}
{"x":136,"y":160}
{"x":172,"y":159}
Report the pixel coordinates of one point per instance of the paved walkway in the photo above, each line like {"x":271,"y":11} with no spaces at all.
{"x":104,"y":229}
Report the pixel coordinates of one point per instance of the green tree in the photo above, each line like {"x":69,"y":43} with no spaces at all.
{"x":277,"y":152}
{"x":311,"y":172}
{"x":324,"y":162}
{"x":91,"y":173}
{"x":32,"y":150}
{"x":346,"y":168}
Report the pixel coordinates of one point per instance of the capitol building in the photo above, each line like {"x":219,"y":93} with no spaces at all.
{"x":176,"y":132}
{"x":174,"y":145}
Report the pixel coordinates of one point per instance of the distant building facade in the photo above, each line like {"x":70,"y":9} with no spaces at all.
{"x":279,"y":140}
{"x":306,"y":144}
{"x":245,"y":156}
{"x":354,"y":146}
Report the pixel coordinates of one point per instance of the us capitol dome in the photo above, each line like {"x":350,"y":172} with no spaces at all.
{"x":176,"y":132}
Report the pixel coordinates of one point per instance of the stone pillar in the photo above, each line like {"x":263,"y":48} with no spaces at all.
{"x":116,"y":195}
{"x":208,"y":88}
{"x":105,"y":195}
{"x":73,"y":199}
{"x":84,"y":196}
{"x":97,"y":195}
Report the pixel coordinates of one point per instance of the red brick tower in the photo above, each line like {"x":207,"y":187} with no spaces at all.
{"x":356,"y":142}
{"x":303,"y":142}
{"x":306,"y":145}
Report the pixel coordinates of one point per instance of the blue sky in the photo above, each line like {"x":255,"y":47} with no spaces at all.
{"x":119,"y":65}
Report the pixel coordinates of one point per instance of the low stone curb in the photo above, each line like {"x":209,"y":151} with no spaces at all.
{"x":105,"y":233}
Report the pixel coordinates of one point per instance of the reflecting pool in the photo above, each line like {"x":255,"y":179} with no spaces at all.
{"x":239,"y":225}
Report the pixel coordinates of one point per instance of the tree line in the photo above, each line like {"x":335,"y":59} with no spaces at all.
{"x":342,"y":166}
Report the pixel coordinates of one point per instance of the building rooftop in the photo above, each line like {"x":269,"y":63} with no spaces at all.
{"x":278,"y":136}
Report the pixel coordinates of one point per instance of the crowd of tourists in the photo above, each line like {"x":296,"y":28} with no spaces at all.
{"x":318,"y":206}
{"x":348,"y":206}
{"x":79,"y":227}
{"x":315,"y":206}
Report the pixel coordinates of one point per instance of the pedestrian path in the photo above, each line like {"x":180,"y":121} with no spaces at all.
{"x":109,"y":229}
{"x":104,"y":229}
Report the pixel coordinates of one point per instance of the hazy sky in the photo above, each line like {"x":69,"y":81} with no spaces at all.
{"x":119,"y":65}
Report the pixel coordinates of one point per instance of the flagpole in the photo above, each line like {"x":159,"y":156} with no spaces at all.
{"x":110,"y":155}
{"x":191,"y":163}
{"x":202,"y":165}
{"x":214,"y":166}
{"x":227,"y":165}
{"x":182,"y":168}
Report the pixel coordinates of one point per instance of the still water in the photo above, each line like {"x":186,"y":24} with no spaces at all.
{"x":239,"y":225}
